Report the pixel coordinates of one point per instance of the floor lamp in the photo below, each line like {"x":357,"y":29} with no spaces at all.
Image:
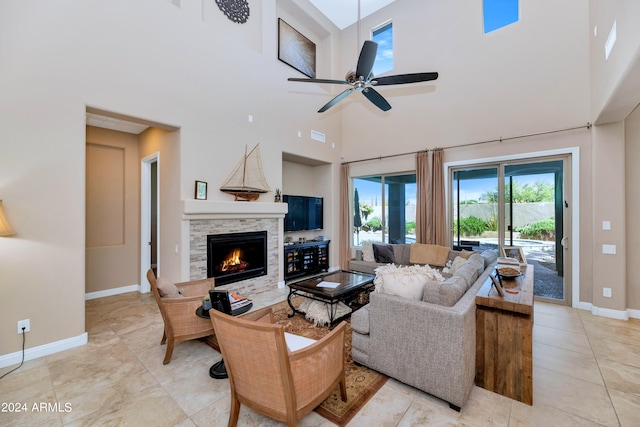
{"x":5,"y":227}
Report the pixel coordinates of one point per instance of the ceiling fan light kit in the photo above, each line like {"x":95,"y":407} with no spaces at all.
{"x":362,"y":79}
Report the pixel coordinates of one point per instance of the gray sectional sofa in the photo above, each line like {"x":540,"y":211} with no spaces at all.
{"x":427,"y":342}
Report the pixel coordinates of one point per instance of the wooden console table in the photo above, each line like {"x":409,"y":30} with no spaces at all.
{"x":504,"y":326}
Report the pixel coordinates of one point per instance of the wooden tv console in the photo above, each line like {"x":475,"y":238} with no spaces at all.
{"x":504,"y":328}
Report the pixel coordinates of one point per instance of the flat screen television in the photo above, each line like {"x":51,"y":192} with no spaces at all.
{"x":305,"y":213}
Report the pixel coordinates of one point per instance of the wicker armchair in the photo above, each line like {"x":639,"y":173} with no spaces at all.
{"x":269,"y":379}
{"x":179,"y":314}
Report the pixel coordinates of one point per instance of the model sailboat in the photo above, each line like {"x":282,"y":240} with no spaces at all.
{"x":247,"y":180}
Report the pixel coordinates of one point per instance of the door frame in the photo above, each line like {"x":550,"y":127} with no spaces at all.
{"x":574,"y":153}
{"x":145,"y":217}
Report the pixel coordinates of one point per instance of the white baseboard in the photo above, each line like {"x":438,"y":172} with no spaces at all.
{"x":43,"y":350}
{"x":111,"y":292}
{"x":607,"y":312}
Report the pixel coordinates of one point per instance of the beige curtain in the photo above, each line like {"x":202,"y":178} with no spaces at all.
{"x":438,"y":225}
{"x":345,"y":218}
{"x":422,"y":199}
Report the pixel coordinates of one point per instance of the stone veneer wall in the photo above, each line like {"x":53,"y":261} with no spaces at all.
{"x":200,"y":228}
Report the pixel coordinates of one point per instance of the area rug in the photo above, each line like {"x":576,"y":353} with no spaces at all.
{"x":362,"y":382}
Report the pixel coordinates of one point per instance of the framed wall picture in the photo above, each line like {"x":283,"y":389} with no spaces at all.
{"x":201,"y":190}
{"x":296,"y":50}
{"x":514,"y":252}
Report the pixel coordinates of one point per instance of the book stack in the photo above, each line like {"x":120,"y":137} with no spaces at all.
{"x":508,"y":262}
{"x":238,"y":301}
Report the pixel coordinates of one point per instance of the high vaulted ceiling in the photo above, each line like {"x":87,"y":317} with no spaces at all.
{"x":345,"y":12}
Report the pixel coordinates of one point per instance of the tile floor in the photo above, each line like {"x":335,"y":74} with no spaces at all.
{"x":586,"y":373}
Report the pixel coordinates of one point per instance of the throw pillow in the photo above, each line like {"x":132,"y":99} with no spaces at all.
{"x":429,"y":254}
{"x":466,"y":254}
{"x":383,"y":253}
{"x":404,"y":281}
{"x":456,"y":264}
{"x":166,"y":289}
{"x":367,"y":252}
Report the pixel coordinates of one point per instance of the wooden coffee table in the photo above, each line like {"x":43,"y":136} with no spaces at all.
{"x":347,"y":284}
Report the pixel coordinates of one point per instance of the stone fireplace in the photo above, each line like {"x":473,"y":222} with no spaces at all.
{"x":202,"y":219}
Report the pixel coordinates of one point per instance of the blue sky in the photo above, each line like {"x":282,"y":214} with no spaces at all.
{"x":384,"y":57}
{"x":473,"y":189}
{"x":470,"y":189}
{"x":499,"y":13}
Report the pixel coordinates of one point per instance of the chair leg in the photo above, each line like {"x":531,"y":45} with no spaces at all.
{"x":167,"y":355}
{"x":234,"y":412}
{"x":343,"y":389}
{"x":164,"y":338}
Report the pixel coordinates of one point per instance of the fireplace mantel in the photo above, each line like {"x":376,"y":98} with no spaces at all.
{"x":203,"y":217}
{"x":205,"y":209}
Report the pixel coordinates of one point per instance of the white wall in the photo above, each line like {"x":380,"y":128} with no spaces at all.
{"x":191,"y":68}
{"x":148,"y":59}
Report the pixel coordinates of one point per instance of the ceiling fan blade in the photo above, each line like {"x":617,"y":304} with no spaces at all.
{"x":400,"y":79}
{"x":377,"y":99}
{"x":337,"y":82}
{"x":335,"y":100}
{"x":366,"y":59}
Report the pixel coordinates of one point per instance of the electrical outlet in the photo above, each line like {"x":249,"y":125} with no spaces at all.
{"x":24,"y":324}
{"x":606,"y":292}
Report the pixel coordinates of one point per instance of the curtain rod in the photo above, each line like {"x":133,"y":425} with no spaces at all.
{"x":501,"y":139}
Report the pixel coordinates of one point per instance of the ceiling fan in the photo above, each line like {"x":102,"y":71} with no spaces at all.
{"x":363,"y":80}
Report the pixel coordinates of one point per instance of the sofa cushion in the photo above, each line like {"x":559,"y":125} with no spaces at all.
{"x":360,"y":320}
{"x":404,"y":281}
{"x":479,"y":261}
{"x":468,"y":272}
{"x":446,"y":293}
{"x":429,"y":254}
{"x":367,"y":252}
{"x":167,"y":289}
{"x":489,"y":257}
{"x":383,"y":253}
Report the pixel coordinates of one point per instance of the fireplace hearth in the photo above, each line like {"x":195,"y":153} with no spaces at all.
{"x":233,"y":257}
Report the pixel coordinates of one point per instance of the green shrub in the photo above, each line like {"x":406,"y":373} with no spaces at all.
{"x":492,"y":223}
{"x":374,"y":224}
{"x":470,"y":226}
{"x":410,"y":227}
{"x":541,"y":230}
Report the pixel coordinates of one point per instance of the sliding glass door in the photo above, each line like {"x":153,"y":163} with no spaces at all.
{"x":517,"y":207}
{"x":385,"y":208}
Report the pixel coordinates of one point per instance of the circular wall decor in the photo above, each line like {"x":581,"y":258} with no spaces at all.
{"x":236,"y":10}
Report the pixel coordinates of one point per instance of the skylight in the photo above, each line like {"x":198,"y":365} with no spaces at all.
{"x":499,"y":13}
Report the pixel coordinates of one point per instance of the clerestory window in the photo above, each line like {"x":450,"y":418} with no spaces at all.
{"x":383,"y":35}
{"x":499,"y":13}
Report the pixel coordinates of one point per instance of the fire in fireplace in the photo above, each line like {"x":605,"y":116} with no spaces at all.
{"x":236,"y":256}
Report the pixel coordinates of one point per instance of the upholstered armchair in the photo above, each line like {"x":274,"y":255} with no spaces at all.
{"x":268,"y":378}
{"x":178,"y":304}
